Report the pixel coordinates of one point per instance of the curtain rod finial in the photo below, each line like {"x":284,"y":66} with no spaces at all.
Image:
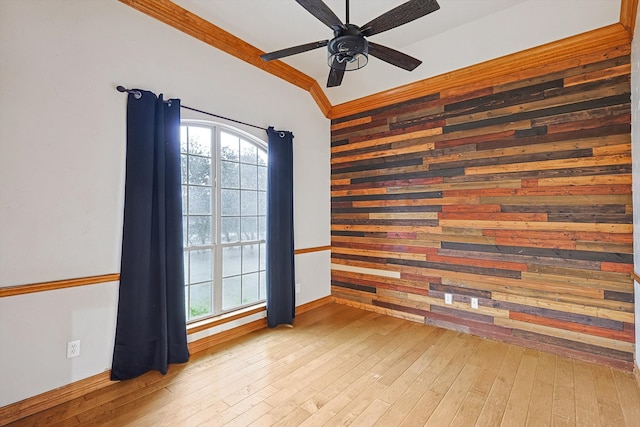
{"x":136,"y":93}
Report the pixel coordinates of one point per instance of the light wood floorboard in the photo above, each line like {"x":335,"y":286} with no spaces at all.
{"x":343,"y":366}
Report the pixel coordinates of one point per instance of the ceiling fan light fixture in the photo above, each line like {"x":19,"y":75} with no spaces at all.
{"x":348,"y":52}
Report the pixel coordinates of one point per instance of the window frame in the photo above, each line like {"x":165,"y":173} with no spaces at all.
{"x":217,"y":245}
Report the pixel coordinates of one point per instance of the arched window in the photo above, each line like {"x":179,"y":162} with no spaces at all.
{"x":224,"y":198}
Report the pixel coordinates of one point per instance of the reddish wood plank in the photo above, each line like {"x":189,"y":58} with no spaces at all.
{"x":576,"y":327}
{"x":617,"y":267}
{"x":421,"y":278}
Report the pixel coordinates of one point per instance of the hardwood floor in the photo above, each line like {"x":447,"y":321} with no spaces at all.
{"x":343,"y":366}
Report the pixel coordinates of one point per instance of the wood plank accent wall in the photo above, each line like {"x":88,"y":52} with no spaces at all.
{"x":517,"y":194}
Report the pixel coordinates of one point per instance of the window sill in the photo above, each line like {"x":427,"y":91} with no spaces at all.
{"x":225,"y":318}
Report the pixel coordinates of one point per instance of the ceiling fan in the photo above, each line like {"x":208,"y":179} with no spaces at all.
{"x":349,"y":49}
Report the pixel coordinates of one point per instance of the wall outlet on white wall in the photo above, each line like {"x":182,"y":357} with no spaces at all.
{"x":73,"y":349}
{"x":297,"y":288}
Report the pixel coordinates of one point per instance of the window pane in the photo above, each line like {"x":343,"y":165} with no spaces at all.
{"x":231,"y":292}
{"x":183,"y":139}
{"x":249,"y":288}
{"x":184,"y":231}
{"x":263,"y":285}
{"x":230,"y":175}
{"x":199,"y":170}
{"x":230,"y":200}
{"x":249,"y":228}
{"x":248,"y":152}
{"x":230,"y":231}
{"x":184,"y":200}
{"x":183,"y":167}
{"x":262,"y":157}
{"x":262,"y":178}
{"x":249,"y":202}
{"x":263,"y":256}
{"x":229,"y":147}
{"x":262,"y":230}
{"x":186,"y":267}
{"x":250,"y":258}
{"x":199,"y":200}
{"x":200,"y":300}
{"x":186,"y":301}
{"x":262,"y":203}
{"x":231,"y":261}
{"x":199,"y":141}
{"x":249,"y":177}
{"x":200,"y":265}
{"x":199,"y":230}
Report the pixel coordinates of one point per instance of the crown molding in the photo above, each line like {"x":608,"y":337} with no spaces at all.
{"x":612,"y":40}
{"x":189,"y":23}
{"x":628,"y":14}
{"x":571,"y":51}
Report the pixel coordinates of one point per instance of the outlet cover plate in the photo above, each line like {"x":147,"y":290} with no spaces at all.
{"x":73,"y":349}
{"x":474,"y":303}
{"x":448,"y":298}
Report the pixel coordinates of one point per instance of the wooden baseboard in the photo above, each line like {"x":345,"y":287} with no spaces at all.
{"x":380,"y":310}
{"x":224,"y":336}
{"x":314,"y":304}
{"x":49,"y":399}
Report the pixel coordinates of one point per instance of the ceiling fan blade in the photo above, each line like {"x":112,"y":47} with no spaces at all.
{"x":393,"y":57}
{"x":321,"y":11}
{"x":336,"y":73}
{"x":400,"y":15}
{"x":293,"y":50}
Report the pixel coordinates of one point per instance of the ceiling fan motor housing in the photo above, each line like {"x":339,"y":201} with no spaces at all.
{"x":349,"y":48}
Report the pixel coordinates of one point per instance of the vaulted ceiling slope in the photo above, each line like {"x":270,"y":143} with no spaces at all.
{"x":465,"y":40}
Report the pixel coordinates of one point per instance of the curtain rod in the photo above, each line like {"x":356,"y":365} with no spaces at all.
{"x":137,"y":95}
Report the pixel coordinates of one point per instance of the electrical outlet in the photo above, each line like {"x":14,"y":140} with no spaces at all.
{"x":73,"y":349}
{"x":448,"y":298}
{"x":297,"y":288}
{"x":474,"y":303}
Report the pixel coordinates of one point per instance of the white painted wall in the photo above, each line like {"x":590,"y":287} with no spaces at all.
{"x":62,"y":157}
{"x":635,"y":151}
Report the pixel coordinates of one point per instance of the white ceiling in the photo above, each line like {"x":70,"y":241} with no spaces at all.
{"x":461,"y":33}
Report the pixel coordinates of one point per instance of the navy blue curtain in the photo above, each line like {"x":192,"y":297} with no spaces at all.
{"x":280,"y":256}
{"x":151,"y":322}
